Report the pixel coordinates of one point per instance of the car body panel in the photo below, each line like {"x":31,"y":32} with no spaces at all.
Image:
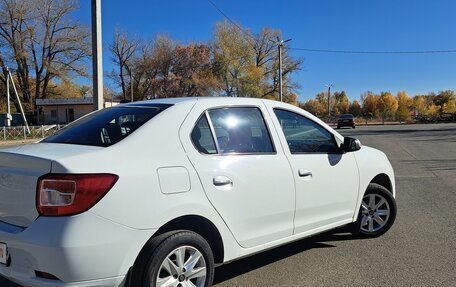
{"x":57,"y":246}
{"x":368,"y":171}
{"x":329,"y":194}
{"x":259,"y":206}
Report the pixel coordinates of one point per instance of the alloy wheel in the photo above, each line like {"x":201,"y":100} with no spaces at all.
{"x":375,"y":212}
{"x":183,"y":267}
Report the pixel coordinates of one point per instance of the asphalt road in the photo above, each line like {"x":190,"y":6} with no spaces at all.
{"x":419,"y":250}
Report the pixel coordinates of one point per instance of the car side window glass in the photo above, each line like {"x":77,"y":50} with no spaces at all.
{"x":304,"y":135}
{"x":202,"y":137}
{"x":241,"y":130}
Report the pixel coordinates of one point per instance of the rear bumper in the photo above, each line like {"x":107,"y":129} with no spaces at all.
{"x":37,"y":282}
{"x":82,"y":250}
{"x":345,"y":124}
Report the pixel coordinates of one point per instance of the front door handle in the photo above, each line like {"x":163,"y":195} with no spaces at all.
{"x":304,"y":173}
{"x":222,"y":181}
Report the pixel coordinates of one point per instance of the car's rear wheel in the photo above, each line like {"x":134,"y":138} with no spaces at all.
{"x":178,"y":259}
{"x":377,"y":212}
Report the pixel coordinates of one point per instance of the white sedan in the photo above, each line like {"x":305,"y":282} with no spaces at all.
{"x":157,"y":193}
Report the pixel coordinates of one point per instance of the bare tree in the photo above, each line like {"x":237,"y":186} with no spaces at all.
{"x":163,"y":54}
{"x":44,"y":41}
{"x":14,"y":14}
{"x":58,"y":45}
{"x":123,"y":50}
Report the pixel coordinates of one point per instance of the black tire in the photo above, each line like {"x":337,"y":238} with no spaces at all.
{"x":147,"y":266}
{"x":359,"y":227}
{"x":338,"y":127}
{"x":354,"y":126}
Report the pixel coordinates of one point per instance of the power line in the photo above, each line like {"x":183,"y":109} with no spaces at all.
{"x":231,"y":20}
{"x":373,"y":52}
{"x":225,"y":15}
{"x":336,"y":51}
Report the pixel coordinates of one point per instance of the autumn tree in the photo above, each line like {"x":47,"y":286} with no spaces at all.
{"x":403,"y":109}
{"x":43,"y":43}
{"x":192,"y":71}
{"x":315,"y":107}
{"x":387,"y":105}
{"x":443,"y":99}
{"x":247,"y":63}
{"x":370,"y":105}
{"x":355,"y":108}
{"x":340,"y":102}
{"x":269,"y":61}
{"x":424,"y":105}
{"x":235,"y":62}
{"x":163,"y":68}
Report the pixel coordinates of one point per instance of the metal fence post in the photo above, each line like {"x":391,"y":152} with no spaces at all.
{"x":42,"y":131}
{"x":25,"y":135}
{"x":4,"y":133}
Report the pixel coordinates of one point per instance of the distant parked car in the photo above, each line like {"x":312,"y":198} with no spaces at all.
{"x":156,"y":193}
{"x":346,"y":120}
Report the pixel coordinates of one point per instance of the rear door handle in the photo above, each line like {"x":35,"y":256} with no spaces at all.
{"x":222,"y":181}
{"x":304,"y":173}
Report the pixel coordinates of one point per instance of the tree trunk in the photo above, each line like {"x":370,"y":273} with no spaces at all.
{"x":122,"y":84}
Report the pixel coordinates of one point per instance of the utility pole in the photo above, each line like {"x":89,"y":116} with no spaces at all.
{"x":8,"y":105}
{"x":9,"y":77}
{"x":279,"y":44}
{"x":329,"y":99}
{"x":97,"y":57}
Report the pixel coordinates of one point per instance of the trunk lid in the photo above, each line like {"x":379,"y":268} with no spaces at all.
{"x":18,"y":178}
{"x":20,"y":168}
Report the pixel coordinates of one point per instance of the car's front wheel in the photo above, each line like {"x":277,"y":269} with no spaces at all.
{"x":377,"y":212}
{"x":177,"y":259}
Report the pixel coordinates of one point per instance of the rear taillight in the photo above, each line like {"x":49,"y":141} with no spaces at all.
{"x":70,"y":194}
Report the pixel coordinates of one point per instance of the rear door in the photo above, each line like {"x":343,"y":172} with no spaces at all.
{"x":245,"y":176}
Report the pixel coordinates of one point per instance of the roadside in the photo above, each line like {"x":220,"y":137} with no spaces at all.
{"x":4,"y":144}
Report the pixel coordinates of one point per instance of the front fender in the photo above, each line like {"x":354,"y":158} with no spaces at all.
{"x":372,"y":162}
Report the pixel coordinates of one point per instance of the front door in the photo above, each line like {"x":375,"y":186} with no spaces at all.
{"x":327,"y":181}
{"x":246,"y":178}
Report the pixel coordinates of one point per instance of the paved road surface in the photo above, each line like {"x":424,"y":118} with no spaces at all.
{"x":419,"y":250}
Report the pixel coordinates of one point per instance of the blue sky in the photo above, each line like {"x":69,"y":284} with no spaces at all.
{"x":315,"y":24}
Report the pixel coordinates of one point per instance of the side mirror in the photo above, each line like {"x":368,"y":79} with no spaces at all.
{"x":350,"y":144}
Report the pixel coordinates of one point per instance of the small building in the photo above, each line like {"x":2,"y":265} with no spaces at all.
{"x":64,"y":111}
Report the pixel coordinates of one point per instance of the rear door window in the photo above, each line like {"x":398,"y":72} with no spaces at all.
{"x":106,"y":127}
{"x":240,"y":130}
{"x":202,"y":137}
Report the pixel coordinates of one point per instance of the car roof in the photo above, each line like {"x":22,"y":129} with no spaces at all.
{"x":176,"y":101}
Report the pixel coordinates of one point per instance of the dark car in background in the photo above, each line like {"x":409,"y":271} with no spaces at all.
{"x":346,"y":120}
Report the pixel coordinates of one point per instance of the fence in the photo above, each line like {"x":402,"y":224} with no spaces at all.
{"x":21,"y":133}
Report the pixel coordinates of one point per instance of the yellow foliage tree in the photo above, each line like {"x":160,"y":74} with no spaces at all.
{"x":370,"y":104}
{"x":387,"y":105}
{"x":403,"y":109}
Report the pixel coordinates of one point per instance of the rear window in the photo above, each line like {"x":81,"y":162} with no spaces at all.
{"x":346,"y":116}
{"x":106,"y":127}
